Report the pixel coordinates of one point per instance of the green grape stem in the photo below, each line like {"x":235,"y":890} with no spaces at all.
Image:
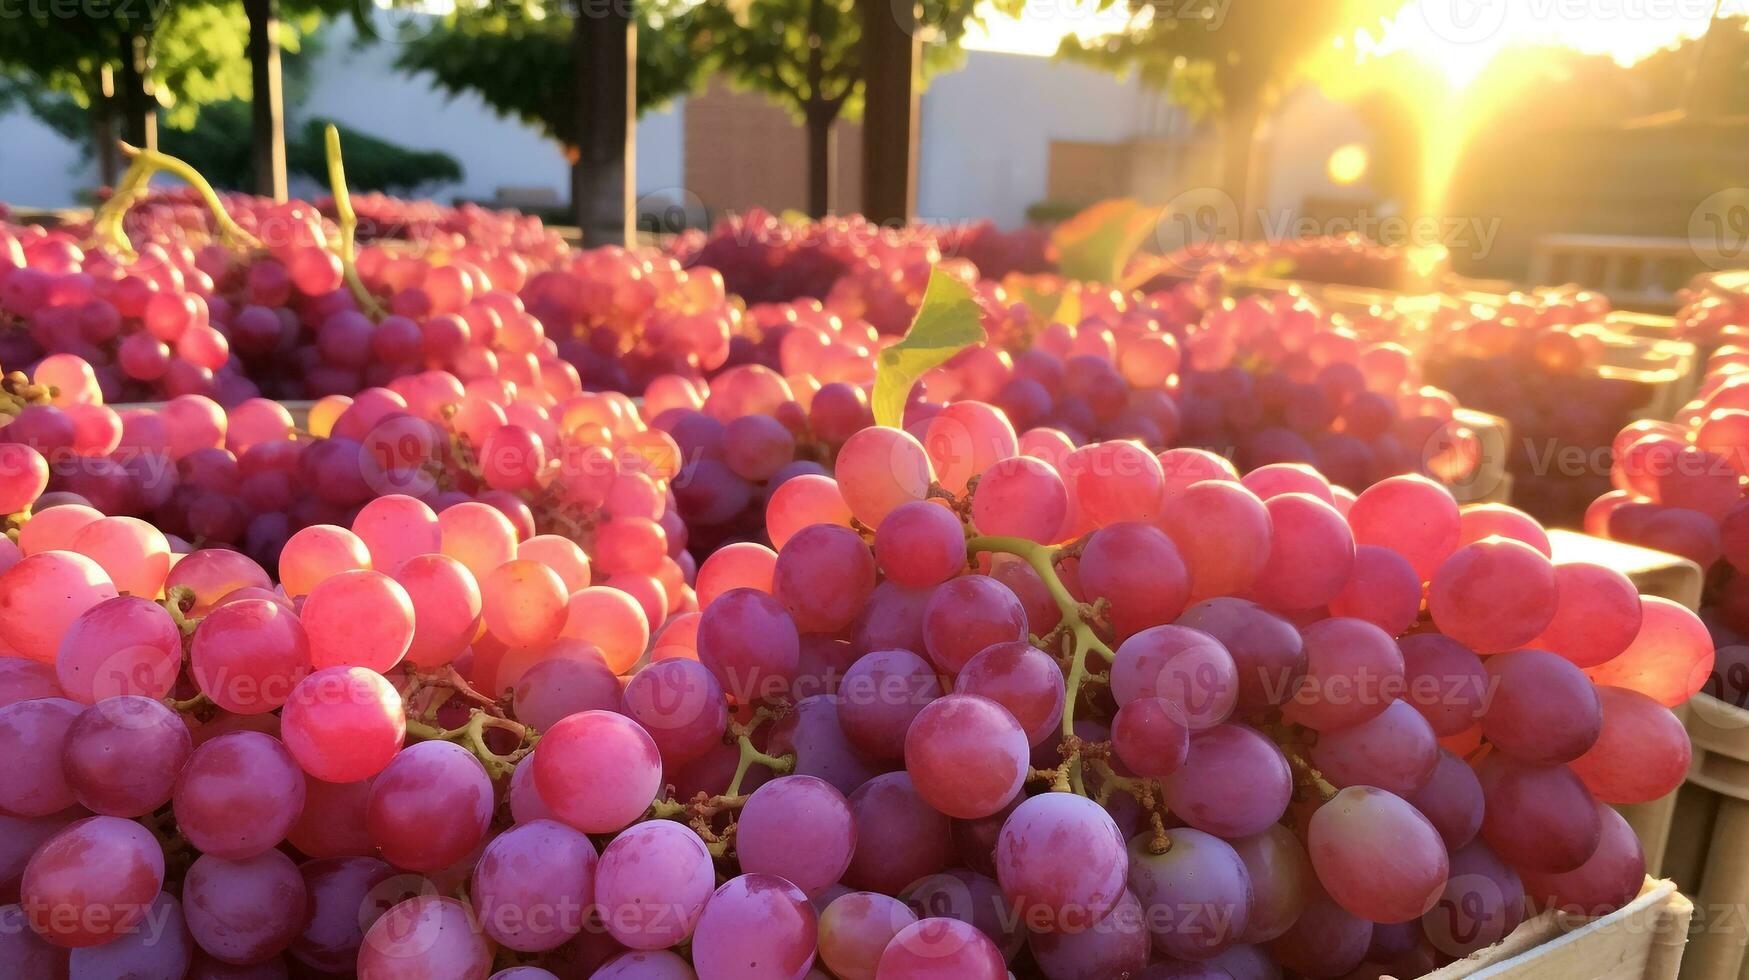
{"x":347,"y":220}
{"x":1043,"y":560}
{"x":106,"y":224}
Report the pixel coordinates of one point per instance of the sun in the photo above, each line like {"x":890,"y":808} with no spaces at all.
{"x":1348,"y":165}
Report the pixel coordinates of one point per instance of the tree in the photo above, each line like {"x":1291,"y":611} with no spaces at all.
{"x":1234,"y":57}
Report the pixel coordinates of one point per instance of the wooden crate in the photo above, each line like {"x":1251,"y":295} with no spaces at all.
{"x":1643,"y":939}
{"x":1490,"y":483}
{"x":1708,"y":853}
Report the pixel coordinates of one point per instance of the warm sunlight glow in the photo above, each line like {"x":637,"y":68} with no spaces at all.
{"x":1348,"y":164}
{"x":1044,"y":24}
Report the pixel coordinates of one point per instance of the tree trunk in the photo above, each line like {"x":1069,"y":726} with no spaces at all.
{"x":604,"y":64}
{"x":267,"y":101}
{"x":891,"y":54}
{"x":1238,"y":156}
{"x":103,"y":129}
{"x":139,"y":116}
{"x":821,"y":161}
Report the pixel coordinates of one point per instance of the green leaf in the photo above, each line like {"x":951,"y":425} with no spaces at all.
{"x":1096,"y":245}
{"x":947,"y":322}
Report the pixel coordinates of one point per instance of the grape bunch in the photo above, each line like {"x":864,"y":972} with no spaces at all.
{"x":974,"y":712}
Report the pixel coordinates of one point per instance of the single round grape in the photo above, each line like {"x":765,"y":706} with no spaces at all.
{"x":969,"y":896}
{"x":430,"y":807}
{"x":1482,"y":903}
{"x":1478,"y":521}
{"x":1188,"y":667}
{"x":1608,"y":880}
{"x":248,"y":655}
{"x":1150,"y":737}
{"x":880,"y":468}
{"x":1382,"y":590}
{"x":1053,"y":886}
{"x":1279,"y":871}
{"x":1137,"y":569}
{"x":1195,"y":895}
{"x":748,"y":640}
{"x":92,"y":881}
{"x":881,"y":694}
{"x":1395,"y":751}
{"x":1111,"y":482}
{"x":967,"y":755}
{"x":653,"y":965}
{"x":1444,"y":681}
{"x":1311,"y":554}
{"x":1325,"y":941}
{"x":652,"y":884}
{"x":941,"y":949}
{"x":855,"y":928}
{"x":900,"y":838}
{"x":446,"y":608}
{"x":1234,"y":782}
{"x":965,"y":439}
{"x":610,"y":619}
{"x":1543,"y":710}
{"x":134,"y":554}
{"x":1116,"y":946}
{"x":41,"y":596}
{"x":1537,"y":818}
{"x":560,"y":554}
{"x":343,"y":724}
{"x":1669,"y":660}
{"x":317,"y":552}
{"x":424,"y":938}
{"x":25,"y":475}
{"x":798,"y":828}
{"x":1021,"y":678}
{"x":1223,"y":533}
{"x":966,"y":614}
{"x":680,"y":705}
{"x":360,"y":618}
{"x":823,"y":576}
{"x":1494,"y":595}
{"x":121,"y":756}
{"x":742,"y":565}
{"x":1641,"y":753}
{"x":26,"y":680}
{"x":1353,"y":673}
{"x":35,"y":733}
{"x":533,"y":885}
{"x":1266,"y":649}
{"x":342,"y":896}
{"x":1597,"y":614}
{"x":524,"y":603}
{"x":125,"y":645}
{"x":1020,"y":497}
{"x":754,"y":927}
{"x":238,"y":795}
{"x":244,"y":911}
{"x":214,"y":573}
{"x":806,"y":500}
{"x":1276,"y":479}
{"x":332,"y":822}
{"x":157,"y":946}
{"x":1394,"y":884}
{"x":1410,"y":515}
{"x":1451,"y":800}
{"x":477,"y":535}
{"x":920,"y":545}
{"x":813,"y":734}
{"x":597,"y":770}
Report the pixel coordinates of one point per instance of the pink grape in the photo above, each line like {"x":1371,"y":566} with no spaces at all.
{"x":964,"y":439}
{"x":214,"y":573}
{"x":1311,"y":554}
{"x":1411,"y":515}
{"x":332,"y":822}
{"x":597,"y":770}
{"x":135,"y":555}
{"x":343,"y":896}
{"x":1353,"y":672}
{"x":424,"y":938}
{"x":1543,"y":710}
{"x":941,"y":949}
{"x":1394,"y":884}
{"x":966,"y":755}
{"x":854,"y":930}
{"x":1537,"y":818}
{"x":25,"y":680}
{"x":1444,"y":681}
{"x":1150,"y":737}
{"x":755,"y":926}
{"x":742,"y":565}
{"x":652,"y":883}
{"x":1669,"y":659}
{"x":823,"y":576}
{"x":359,"y":618}
{"x":920,"y":545}
{"x":343,"y":724}
{"x":244,"y":911}
{"x":968,"y":896}
{"x":1019,"y":677}
{"x":53,"y":528}
{"x":1223,"y":532}
{"x":1494,"y":595}
{"x":1382,"y":589}
{"x":1482,"y":903}
{"x":533,"y":885}
{"x":158,"y":945}
{"x":1395,"y":751}
{"x":1324,"y":941}
{"x":32,"y":784}
{"x":806,"y":500}
{"x":125,"y":645}
{"x":1020,"y":497}
{"x":1186,"y":667}
{"x":1112,"y":482}
{"x":524,"y":603}
{"x":478,"y":536}
{"x":880,"y":696}
{"x":1234,"y":782}
{"x":41,"y":596}
{"x":446,"y":608}
{"x":395,"y":528}
{"x":1641,"y":753}
{"x":1196,"y":896}
{"x":966,"y":614}
{"x":563,"y":685}
{"x":1478,"y":521}
{"x":1597,"y":614}
{"x":612,"y":621}
{"x":238,"y":795}
{"x":1137,"y":569}
{"x":248,"y":655}
{"x":798,"y":828}
{"x":430,"y":807}
{"x":1608,"y":880}
{"x":1451,"y":800}
{"x":560,"y":554}
{"x":24,"y":474}
{"x":880,"y":468}
{"x":653,"y":965}
{"x":1118,"y":945}
{"x":92,"y":881}
{"x":1275,"y":479}
{"x":1054,"y":887}
{"x":317,"y":552}
{"x":121,"y":755}
{"x":678,"y":703}
{"x":1279,"y":870}
{"x":813,"y":733}
{"x":900,"y":838}
{"x":1266,"y":649}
